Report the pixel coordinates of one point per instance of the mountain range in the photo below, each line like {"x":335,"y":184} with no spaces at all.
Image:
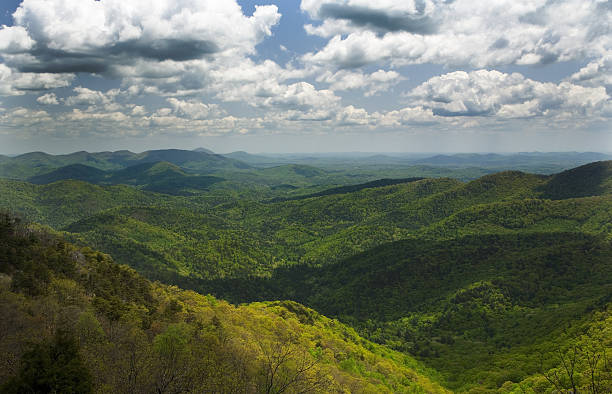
{"x":483,"y":285}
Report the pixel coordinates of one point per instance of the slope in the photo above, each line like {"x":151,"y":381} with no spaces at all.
{"x":161,"y":177}
{"x":60,"y":203}
{"x":36,"y":163}
{"x":74,"y":321}
{"x":594,"y":179}
{"x":479,"y":309}
{"x":79,"y":172}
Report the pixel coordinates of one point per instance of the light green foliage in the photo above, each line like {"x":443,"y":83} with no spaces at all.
{"x":121,"y":333}
{"x":476,"y":279}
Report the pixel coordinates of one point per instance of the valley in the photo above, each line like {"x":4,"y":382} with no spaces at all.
{"x":462,"y":273}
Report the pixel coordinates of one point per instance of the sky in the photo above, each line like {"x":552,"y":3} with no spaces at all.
{"x":306,"y":76}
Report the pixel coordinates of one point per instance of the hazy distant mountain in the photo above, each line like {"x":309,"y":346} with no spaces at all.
{"x":204,"y":150}
{"x":542,"y":162}
{"x":253,"y":159}
{"x":38,"y":163}
{"x":161,"y":176}
{"x":80,"y":172}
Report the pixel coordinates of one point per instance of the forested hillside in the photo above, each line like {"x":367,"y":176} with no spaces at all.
{"x":470,"y":306}
{"x":494,"y":283}
{"x":75,"y":321}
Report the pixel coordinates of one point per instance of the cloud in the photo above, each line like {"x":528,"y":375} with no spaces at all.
{"x":24,"y":119}
{"x":15,"y":39}
{"x":596,"y":73}
{"x":376,"y":82}
{"x":478,"y":33}
{"x":485,"y":93}
{"x":16,"y":83}
{"x":138,"y":110}
{"x":408,"y":116}
{"x":48,"y":99}
{"x":193,"y":109}
{"x":85,"y":96}
{"x":303,"y":96}
{"x":374,"y":19}
{"x":351,"y":116}
{"x":100,"y":36}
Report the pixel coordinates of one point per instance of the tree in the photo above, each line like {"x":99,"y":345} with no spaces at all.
{"x":54,"y":367}
{"x":172,"y":351}
{"x":285,"y":366}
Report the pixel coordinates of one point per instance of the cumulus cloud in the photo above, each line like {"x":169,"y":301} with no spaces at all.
{"x":596,"y":73}
{"x":304,"y":97}
{"x":193,"y":109}
{"x":48,"y":99}
{"x":460,"y":32}
{"x":181,"y":51}
{"x":99,"y":36}
{"x":15,"y":39}
{"x":413,"y":17}
{"x":16,"y":83}
{"x":24,"y":118}
{"x":408,"y":116}
{"x":492,"y":93}
{"x":85,"y":96}
{"x":376,"y":82}
{"x":138,"y":110}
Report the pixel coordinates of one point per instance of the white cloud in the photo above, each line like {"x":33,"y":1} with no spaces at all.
{"x":304,"y":97}
{"x":138,"y":110}
{"x":408,"y":116}
{"x":85,"y":96}
{"x":16,"y":83}
{"x":462,"y":32}
{"x":596,"y":73}
{"x":492,"y":93}
{"x":24,"y":118}
{"x":14,"y":39}
{"x":376,"y":82}
{"x":48,"y":99}
{"x":193,"y":109}
{"x":98,"y":36}
{"x":351,"y":116}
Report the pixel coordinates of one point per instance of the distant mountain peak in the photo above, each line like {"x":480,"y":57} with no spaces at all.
{"x":204,"y":150}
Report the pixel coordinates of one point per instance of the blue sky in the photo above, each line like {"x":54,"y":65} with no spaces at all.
{"x":306,"y":76}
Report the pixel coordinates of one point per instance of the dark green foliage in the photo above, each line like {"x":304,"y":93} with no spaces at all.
{"x":29,"y":258}
{"x":594,"y":179}
{"x":37,"y":163}
{"x":477,"y":279}
{"x":161,"y":177}
{"x":351,"y":188}
{"x":104,"y":328}
{"x":72,"y":171}
{"x":54,"y":367}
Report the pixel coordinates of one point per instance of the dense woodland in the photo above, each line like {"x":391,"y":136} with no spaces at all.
{"x":440,"y":278}
{"x":74,"y":321}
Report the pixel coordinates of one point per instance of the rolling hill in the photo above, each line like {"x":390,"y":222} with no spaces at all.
{"x":37,"y":163}
{"x":79,"y":172}
{"x":593,"y":179}
{"x":161,"y":177}
{"x":75,"y":321}
{"x":490,"y":282}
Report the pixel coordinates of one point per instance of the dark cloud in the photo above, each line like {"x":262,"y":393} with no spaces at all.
{"x":379,"y":20}
{"x":467,"y":112}
{"x":54,"y":61}
{"x":501,"y":43}
{"x":167,"y":49}
{"x":47,"y":60}
{"x":536,"y":18}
